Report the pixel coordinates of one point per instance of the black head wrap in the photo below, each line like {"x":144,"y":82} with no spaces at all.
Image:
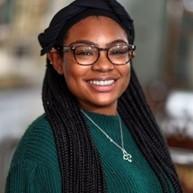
{"x":78,"y":10}
{"x":80,"y":163}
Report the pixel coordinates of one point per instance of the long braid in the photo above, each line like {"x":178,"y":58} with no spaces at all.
{"x":79,"y":161}
{"x":140,"y":120}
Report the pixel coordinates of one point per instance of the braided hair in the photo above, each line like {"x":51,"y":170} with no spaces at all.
{"x":79,"y":160}
{"x":80,"y":163}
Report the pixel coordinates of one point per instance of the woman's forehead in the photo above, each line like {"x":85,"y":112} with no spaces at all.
{"x":99,"y":29}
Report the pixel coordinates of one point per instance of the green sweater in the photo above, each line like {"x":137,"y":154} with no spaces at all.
{"x":35,"y":167}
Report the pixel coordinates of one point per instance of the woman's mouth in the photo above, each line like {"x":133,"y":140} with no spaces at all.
{"x":102,"y":82}
{"x":102,"y":85}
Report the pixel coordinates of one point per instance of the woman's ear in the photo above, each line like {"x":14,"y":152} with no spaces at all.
{"x":56,"y":61}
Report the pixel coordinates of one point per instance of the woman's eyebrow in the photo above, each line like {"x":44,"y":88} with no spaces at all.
{"x":97,"y":45}
{"x":83,"y":42}
{"x":116,"y":42}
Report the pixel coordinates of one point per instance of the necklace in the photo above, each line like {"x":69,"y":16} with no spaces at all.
{"x":126,"y":156}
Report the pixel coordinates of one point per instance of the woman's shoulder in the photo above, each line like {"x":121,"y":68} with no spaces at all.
{"x":39,"y":130}
{"x":37,"y":143}
{"x":39,"y":122}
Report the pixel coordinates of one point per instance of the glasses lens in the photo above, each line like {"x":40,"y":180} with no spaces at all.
{"x":119,"y":54}
{"x":85,"y":54}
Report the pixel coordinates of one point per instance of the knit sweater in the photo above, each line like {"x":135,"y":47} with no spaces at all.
{"x":35,"y":167}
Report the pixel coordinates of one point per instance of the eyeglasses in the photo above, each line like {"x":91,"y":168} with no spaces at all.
{"x":87,"y":54}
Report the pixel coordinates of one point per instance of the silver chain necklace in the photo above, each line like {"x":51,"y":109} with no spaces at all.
{"x":126,"y":156}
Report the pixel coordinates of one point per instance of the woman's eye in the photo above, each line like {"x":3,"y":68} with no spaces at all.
{"x":84,"y":53}
{"x":119,"y":51}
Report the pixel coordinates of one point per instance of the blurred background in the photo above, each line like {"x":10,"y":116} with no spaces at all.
{"x":164,"y":64}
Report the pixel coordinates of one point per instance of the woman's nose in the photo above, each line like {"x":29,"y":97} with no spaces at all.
{"x":103,"y":64}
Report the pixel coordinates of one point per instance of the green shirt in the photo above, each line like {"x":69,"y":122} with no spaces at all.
{"x":35,"y":167}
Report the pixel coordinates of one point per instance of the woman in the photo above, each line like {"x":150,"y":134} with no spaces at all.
{"x":98,"y":133}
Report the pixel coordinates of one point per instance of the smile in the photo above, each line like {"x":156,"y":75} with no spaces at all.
{"x":102,"y":82}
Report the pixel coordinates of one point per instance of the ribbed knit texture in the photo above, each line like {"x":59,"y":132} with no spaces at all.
{"x":35,"y":168}
{"x":35,"y":165}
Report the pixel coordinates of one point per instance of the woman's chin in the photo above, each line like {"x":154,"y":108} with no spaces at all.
{"x":102,"y":103}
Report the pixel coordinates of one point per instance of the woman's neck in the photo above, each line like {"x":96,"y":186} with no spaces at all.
{"x":109,"y":110}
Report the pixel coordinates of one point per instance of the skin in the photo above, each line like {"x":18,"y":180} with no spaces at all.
{"x":102,"y":31}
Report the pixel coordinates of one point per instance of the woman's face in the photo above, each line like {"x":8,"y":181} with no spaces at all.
{"x":97,"y":87}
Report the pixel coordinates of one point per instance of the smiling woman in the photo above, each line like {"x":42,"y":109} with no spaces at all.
{"x":97,"y":134}
{"x":96,"y":69}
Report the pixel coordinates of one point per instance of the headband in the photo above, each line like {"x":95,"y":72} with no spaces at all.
{"x":78,"y":10}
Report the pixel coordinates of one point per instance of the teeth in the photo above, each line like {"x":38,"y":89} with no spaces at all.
{"x":102,"y":82}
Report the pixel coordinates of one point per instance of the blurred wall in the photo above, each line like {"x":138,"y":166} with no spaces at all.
{"x":150,"y":24}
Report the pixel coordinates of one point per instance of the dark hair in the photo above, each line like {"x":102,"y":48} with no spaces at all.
{"x":80,"y":164}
